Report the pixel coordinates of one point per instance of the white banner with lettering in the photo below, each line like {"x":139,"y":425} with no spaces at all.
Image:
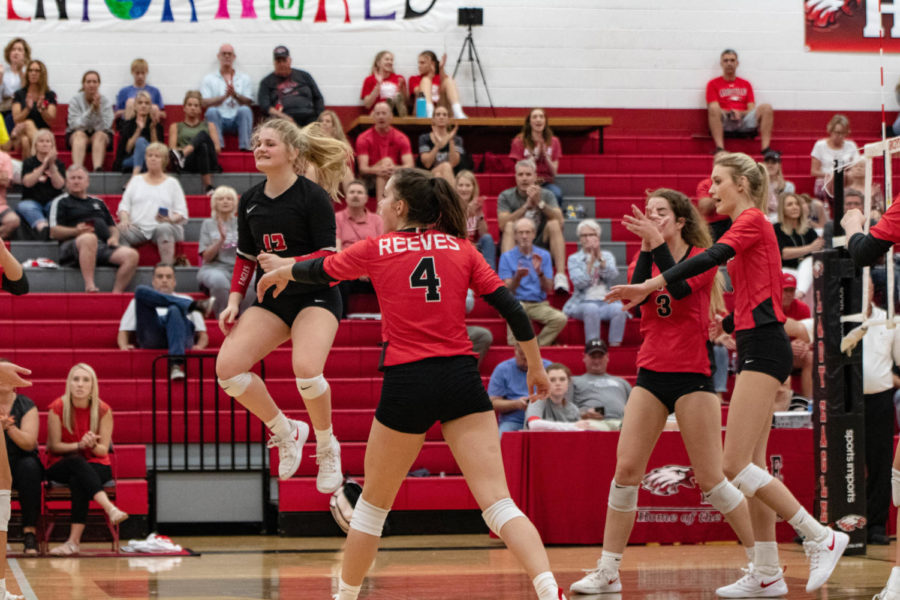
{"x":250,"y":16}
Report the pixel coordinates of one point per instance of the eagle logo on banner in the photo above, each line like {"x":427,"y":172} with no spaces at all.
{"x":667,"y":480}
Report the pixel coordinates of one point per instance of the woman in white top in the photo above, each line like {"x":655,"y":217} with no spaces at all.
{"x":835,"y":147}
{"x":153,"y":207}
{"x":218,"y":248}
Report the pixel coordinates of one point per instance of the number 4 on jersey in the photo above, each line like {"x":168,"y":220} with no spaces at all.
{"x":424,"y":276}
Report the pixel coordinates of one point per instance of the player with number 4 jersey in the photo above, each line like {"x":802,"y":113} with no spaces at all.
{"x":673,"y":317}
{"x":284,"y":218}
{"x":421,"y":271}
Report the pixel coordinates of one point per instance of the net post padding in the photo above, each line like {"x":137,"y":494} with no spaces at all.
{"x":838,"y":417}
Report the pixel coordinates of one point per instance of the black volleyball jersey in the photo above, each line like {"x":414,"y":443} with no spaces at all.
{"x":299,"y":221}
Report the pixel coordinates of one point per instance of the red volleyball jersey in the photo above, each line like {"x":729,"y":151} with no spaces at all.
{"x":755,"y":270}
{"x":675,"y":332}
{"x":888,"y":228}
{"x":420,"y":278}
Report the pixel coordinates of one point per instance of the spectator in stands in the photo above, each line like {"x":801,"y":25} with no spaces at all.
{"x":16,"y":55}
{"x":90,"y":122}
{"x":527,"y":272}
{"x":796,"y":240}
{"x":227,"y":98}
{"x":468,"y":192}
{"x":87,"y":233}
{"x":382,"y":149}
{"x":20,"y":424}
{"x":855,"y":177}
{"x":385,"y":85}
{"x":153,"y":207}
{"x":818,"y":216}
{"x":593,"y":271}
{"x":723,"y":347}
{"x":158,"y":317}
{"x":797,"y":310}
{"x":853,"y":199}
{"x":79,"y":439}
{"x":42,"y":181}
{"x":777,"y":183}
{"x":597,"y":394}
{"x":355,"y":223}
{"x":528,"y":199}
{"x":836,"y":147}
{"x":135,"y":134}
{"x":289,"y":93}
{"x":537,"y":142}
{"x":731,"y":106}
{"x":508,"y":390}
{"x":555,"y":413}
{"x":218,"y":248}
{"x":432,"y":76}
{"x":331,"y":126}
{"x":9,"y":220}
{"x":481,"y":337}
{"x":125,"y":99}
{"x":718,"y":224}
{"x":33,"y":107}
{"x":441,"y":149}
{"x":194,"y":143}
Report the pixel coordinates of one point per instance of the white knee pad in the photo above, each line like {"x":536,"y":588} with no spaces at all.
{"x":751,"y":479}
{"x":724,"y":497}
{"x":237,"y":385}
{"x":368,"y":518}
{"x":500,"y":513}
{"x":895,"y":486}
{"x":5,"y":509}
{"x":622,"y":498}
{"x":312,"y":387}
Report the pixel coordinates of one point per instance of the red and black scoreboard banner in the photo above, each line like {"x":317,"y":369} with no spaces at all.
{"x":851,"y":25}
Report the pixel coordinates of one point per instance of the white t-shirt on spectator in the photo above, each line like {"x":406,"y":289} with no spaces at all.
{"x":143,"y":201}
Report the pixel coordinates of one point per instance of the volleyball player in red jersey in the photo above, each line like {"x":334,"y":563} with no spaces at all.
{"x":421,"y":270}
{"x":667,"y":382}
{"x":285,"y":217}
{"x":740,"y":190}
{"x":866,"y":249}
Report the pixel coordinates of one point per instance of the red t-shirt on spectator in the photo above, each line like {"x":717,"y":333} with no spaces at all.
{"x":393,"y":144}
{"x":435,"y":86}
{"x":797,"y":310}
{"x":703,"y":192}
{"x":82,"y":418}
{"x":518,"y":151}
{"x":390,"y":87}
{"x":731,"y":95}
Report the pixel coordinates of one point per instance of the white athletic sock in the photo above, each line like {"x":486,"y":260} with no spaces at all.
{"x":458,"y":111}
{"x":808,"y":528}
{"x":610,"y":561}
{"x":347,"y":591}
{"x":323,"y":437}
{"x":280,"y":426}
{"x":546,"y":587}
{"x":893,"y":583}
{"x":765,"y":557}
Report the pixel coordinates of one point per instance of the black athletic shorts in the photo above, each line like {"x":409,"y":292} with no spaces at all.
{"x":68,"y":253}
{"x":287,"y":307}
{"x":766,"y":349}
{"x":443,"y":388}
{"x":669,"y":387}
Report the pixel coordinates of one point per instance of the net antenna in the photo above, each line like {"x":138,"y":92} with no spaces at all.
{"x":884,"y":150}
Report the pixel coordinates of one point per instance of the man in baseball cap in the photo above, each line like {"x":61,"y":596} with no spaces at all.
{"x":597,"y":394}
{"x":289,"y":93}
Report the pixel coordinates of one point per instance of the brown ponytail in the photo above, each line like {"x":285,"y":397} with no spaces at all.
{"x":431,"y":201}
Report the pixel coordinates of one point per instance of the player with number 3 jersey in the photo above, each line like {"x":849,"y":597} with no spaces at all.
{"x":668,"y":381}
{"x":286,"y":217}
{"x":421,"y":271}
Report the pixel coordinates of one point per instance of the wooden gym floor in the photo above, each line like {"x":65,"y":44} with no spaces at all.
{"x":463,"y":567}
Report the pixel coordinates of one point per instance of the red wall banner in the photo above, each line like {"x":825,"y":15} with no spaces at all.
{"x":851,"y":25}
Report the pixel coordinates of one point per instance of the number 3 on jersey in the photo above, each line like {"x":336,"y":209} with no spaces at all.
{"x":663,"y":305}
{"x":424,"y":276}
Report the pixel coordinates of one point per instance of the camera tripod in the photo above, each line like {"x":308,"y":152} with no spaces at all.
{"x":473,"y":61}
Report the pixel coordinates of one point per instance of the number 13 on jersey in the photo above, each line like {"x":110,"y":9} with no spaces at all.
{"x":424,"y":276}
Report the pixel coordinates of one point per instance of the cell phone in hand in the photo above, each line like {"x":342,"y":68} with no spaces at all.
{"x":163,"y":211}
